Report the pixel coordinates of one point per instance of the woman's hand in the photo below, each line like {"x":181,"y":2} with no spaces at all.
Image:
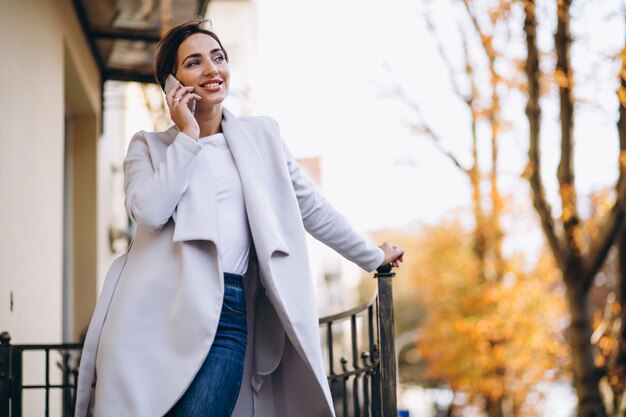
{"x":393,"y":254}
{"x":178,"y":102}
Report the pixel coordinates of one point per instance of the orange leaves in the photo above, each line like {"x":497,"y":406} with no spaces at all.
{"x":487,"y":41}
{"x":568,"y":202}
{"x":487,"y":338}
{"x":562,"y":79}
{"x":621,"y":91}
{"x":568,"y":212}
{"x":607,"y":340}
{"x":528,"y":170}
{"x":602,"y":201}
{"x":621,"y":95}
{"x":500,"y":11}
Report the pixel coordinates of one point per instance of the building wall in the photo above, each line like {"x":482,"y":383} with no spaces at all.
{"x":48,"y":73}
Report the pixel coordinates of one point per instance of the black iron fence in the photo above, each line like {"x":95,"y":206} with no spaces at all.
{"x":58,"y":386}
{"x":359,"y":350}
{"x":360,"y":354}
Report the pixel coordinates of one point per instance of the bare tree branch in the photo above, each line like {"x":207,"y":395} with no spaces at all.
{"x":533,"y":112}
{"x":607,"y":236}
{"x":422,"y":127}
{"x":485,"y":39}
{"x":482,"y":237}
{"x":578,"y":270}
{"x":565,"y":171}
{"x":494,"y":118}
{"x":437,"y":142}
{"x":614,"y":222}
{"x":620,"y":361}
{"x":444,"y":57}
{"x":621,"y":123}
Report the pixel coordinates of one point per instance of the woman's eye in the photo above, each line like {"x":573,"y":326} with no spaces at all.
{"x":192,"y":63}
{"x":219,"y":58}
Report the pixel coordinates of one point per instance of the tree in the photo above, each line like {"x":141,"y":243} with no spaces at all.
{"x":579,"y":253}
{"x":578,"y":257}
{"x":483,"y":100}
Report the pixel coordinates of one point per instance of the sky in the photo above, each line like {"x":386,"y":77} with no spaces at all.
{"x":326,"y":71}
{"x":323,"y":74}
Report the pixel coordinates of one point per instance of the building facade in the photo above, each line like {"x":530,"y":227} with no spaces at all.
{"x":50,"y":121}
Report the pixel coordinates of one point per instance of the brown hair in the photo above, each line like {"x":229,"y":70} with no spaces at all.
{"x":167,"y":48}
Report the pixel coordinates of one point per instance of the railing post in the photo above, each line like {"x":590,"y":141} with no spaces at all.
{"x":387,"y":342}
{"x":16,"y":381}
{"x":5,"y":375}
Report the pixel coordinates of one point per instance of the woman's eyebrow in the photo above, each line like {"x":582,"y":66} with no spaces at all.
{"x":194,"y":55}
{"x":198,"y":55}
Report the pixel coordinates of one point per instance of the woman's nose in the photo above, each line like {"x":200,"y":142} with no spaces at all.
{"x":211,"y":68}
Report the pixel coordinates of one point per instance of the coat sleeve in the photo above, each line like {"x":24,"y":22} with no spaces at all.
{"x":153,"y":193}
{"x":328,"y":225}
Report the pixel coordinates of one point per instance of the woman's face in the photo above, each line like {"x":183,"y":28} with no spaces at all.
{"x":201,"y":64}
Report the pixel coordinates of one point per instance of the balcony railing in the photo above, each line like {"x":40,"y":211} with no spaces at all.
{"x":360,"y":354}
{"x":359,"y":350}
{"x":62,"y":357}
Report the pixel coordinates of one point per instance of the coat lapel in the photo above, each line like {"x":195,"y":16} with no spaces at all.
{"x":196,"y":214}
{"x":262,"y":216}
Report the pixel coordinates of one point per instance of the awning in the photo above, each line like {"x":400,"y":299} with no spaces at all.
{"x":123,"y":33}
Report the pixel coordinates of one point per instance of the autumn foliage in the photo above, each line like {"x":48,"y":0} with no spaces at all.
{"x":478,"y":273}
{"x":488,"y":339}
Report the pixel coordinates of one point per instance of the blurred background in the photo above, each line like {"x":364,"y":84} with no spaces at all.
{"x":486,"y":137}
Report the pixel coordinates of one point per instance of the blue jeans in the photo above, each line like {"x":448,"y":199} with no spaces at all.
{"x":214,"y":390}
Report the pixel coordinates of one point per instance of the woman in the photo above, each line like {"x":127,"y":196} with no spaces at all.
{"x":212,"y":311}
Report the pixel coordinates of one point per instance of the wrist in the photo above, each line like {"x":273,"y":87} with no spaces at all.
{"x":192,"y":133}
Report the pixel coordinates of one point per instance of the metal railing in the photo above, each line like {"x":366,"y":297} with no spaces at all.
{"x":12,"y":386}
{"x":363,"y":381}
{"x":362,"y":386}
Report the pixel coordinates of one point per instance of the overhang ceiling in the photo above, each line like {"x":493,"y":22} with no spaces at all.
{"x":123,"y":33}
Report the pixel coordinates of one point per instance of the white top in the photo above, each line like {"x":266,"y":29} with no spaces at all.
{"x":233,"y":228}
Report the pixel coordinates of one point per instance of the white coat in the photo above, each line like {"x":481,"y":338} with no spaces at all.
{"x":157,"y":315}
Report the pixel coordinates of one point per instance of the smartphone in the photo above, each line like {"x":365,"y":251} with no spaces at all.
{"x":169,"y":84}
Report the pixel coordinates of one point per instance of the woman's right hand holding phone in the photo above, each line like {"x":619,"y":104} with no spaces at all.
{"x":178,"y":101}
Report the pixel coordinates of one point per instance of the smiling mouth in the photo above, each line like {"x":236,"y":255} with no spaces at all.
{"x":211,"y":84}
